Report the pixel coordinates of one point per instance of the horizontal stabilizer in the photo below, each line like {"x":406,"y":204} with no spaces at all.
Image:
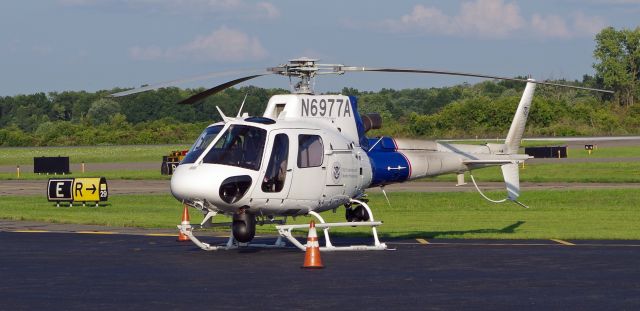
{"x":491,"y":162}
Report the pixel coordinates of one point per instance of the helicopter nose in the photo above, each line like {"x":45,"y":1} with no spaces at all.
{"x":189,"y":183}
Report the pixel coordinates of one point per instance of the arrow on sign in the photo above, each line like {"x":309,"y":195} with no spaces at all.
{"x":93,"y":189}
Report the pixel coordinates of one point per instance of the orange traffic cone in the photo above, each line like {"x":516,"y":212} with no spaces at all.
{"x":185,"y":222}
{"x":312,"y":255}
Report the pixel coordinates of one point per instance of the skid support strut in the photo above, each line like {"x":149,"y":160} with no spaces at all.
{"x":232,"y":243}
{"x":286,"y":231}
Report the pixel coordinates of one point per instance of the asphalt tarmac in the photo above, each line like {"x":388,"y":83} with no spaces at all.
{"x":67,"y":271}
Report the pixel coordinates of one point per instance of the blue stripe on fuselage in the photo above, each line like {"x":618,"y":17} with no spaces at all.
{"x":362,"y":139}
{"x":387,"y":164}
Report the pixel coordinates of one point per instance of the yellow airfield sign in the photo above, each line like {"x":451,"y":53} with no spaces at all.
{"x":87,"y":189}
{"x":78,"y":189}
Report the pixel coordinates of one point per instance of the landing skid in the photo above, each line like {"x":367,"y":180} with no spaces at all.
{"x":232,"y":243}
{"x":285,"y":231}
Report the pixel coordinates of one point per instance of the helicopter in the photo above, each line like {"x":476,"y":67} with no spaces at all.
{"x":310,"y":153}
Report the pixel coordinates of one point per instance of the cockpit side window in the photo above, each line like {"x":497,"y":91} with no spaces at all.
{"x":310,"y":151}
{"x":202,"y":143}
{"x":240,"y":146}
{"x":276,"y":172}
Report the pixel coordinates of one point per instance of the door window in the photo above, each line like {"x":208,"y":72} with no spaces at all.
{"x":310,"y":151}
{"x":276,"y":172}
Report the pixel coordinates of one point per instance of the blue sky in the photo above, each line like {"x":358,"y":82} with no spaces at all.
{"x":57,"y":45}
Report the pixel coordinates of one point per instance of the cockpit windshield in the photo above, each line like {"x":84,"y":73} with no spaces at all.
{"x":202,"y":143}
{"x":240,"y":146}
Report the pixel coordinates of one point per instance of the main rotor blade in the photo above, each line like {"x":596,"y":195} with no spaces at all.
{"x":464,"y":74}
{"x":202,"y":95}
{"x":185,"y":80}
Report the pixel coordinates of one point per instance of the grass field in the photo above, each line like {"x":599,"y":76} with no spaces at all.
{"x":575,"y":214}
{"x":606,"y":172}
{"x":88,"y":154}
{"x":578,"y":153}
{"x":150,"y":153}
{"x":109,"y":175}
{"x":614,"y":172}
{"x":607,"y":152}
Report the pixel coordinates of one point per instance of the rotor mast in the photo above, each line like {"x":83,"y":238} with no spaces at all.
{"x":305,"y":69}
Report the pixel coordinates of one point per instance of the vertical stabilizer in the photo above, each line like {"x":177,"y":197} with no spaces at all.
{"x":512,"y":143}
{"x":512,"y":180}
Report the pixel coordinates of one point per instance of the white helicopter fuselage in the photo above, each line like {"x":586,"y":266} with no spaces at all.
{"x":333,"y":172}
{"x":309,"y":153}
{"x":325,"y":165}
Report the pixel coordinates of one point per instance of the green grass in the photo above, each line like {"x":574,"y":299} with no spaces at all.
{"x":88,"y":154}
{"x":150,"y":153}
{"x":606,"y":152}
{"x":601,"y":152}
{"x":109,"y":175}
{"x":144,"y":211}
{"x":525,"y":143}
{"x":610,"y":172}
{"x":606,"y":172}
{"x":542,"y":172}
{"x":573,"y":214}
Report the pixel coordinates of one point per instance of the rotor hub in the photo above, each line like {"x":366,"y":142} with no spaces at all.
{"x":305,"y":69}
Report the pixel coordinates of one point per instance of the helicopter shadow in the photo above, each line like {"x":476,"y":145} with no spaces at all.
{"x":510,"y":229}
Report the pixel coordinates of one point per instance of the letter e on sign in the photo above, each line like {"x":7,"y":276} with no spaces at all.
{"x":59,"y":189}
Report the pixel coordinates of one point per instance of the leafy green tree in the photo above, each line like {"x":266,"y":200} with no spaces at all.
{"x":617,"y":54}
{"x":102,"y":110}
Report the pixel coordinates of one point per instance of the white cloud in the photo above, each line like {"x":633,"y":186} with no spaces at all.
{"x":10,"y":47}
{"x":576,"y":25}
{"x":494,"y":19}
{"x":614,"y":2}
{"x":269,"y":9}
{"x":550,"y":26}
{"x":79,"y":2}
{"x":147,"y":53}
{"x":588,"y":25}
{"x":42,"y":50}
{"x":486,"y":18}
{"x":491,"y":18}
{"x":430,"y":20}
{"x":221,"y":45}
{"x":239,"y":7}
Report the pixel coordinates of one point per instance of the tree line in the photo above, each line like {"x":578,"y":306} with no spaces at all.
{"x":481,"y":110}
